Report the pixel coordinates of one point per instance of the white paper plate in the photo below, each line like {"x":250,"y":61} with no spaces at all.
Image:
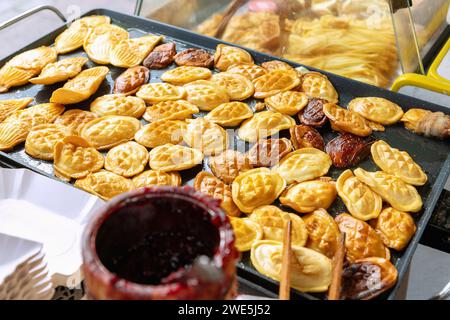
{"x":14,"y":251}
{"x":23,"y":271}
{"x":44,"y":210}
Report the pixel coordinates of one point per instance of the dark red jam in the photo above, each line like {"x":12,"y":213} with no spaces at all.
{"x":160,"y":243}
{"x":149,"y":239}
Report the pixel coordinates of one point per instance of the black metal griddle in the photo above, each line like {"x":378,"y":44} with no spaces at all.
{"x":432,"y":155}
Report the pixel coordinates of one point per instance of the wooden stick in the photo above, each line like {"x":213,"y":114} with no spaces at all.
{"x":334,"y":292}
{"x":285,"y":277}
{"x":234,"y":6}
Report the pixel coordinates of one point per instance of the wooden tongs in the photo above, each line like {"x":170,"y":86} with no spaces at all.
{"x":231,"y":10}
{"x":334,"y":292}
{"x":285,"y":276}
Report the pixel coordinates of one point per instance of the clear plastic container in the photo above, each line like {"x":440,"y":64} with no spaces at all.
{"x":371,"y":41}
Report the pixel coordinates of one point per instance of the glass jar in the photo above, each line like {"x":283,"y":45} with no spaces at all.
{"x":160,"y":243}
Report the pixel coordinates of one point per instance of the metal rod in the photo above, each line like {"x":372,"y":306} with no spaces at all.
{"x":443,"y":294}
{"x":416,"y":41}
{"x":30,"y":12}
{"x":138,"y":7}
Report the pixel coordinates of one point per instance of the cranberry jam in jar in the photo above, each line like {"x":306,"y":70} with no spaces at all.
{"x":160,"y":243}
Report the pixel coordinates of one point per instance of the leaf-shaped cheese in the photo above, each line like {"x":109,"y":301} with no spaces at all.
{"x":60,"y":71}
{"x":81,"y":87}
{"x":131,"y":52}
{"x":101,"y":41}
{"x":7,"y":107}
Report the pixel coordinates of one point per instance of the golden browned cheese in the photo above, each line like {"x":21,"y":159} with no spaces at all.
{"x":323,"y":232}
{"x":246,"y":233}
{"x":101,"y":40}
{"x":73,"y":37}
{"x":127,"y":159}
{"x":249,"y":70}
{"x":398,"y":163}
{"x":396,"y":192}
{"x":161,"y":132}
{"x":118,"y":105}
{"x":226,"y":56}
{"x":207,"y":183}
{"x":361,"y":240}
{"x":131,"y":52}
{"x":7,"y":107}
{"x":275,"y":82}
{"x":158,"y":92}
{"x":228,"y":165}
{"x":347,"y":121}
{"x":13,"y":77}
{"x":288,"y":102}
{"x":24,"y":66}
{"x":185,"y":74}
{"x":35,"y":115}
{"x":109,"y":131}
{"x":311,"y":271}
{"x":170,"y":157}
{"x":75,"y":119}
{"x":255,"y":188}
{"x":105,"y":184}
{"x":74,"y":157}
{"x":273,"y":222}
{"x":264,"y":124}
{"x":237,"y":86}
{"x":360,"y":200}
{"x":60,"y":71}
{"x":42,"y":139}
{"x":376,"y":109}
{"x":170,"y":110}
{"x":396,"y":228}
{"x":276,"y":65}
{"x":206,"y":136}
{"x":34,"y":60}
{"x":375,"y":126}
{"x":80,"y":88}
{"x":11,"y":134}
{"x":15,"y":128}
{"x":206,"y":95}
{"x":230,"y":114}
{"x":308,"y":196}
{"x":317,"y":85}
{"x":303,"y":164}
{"x":157,"y":178}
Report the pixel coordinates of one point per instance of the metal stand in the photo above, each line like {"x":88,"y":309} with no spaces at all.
{"x":30,"y":12}
{"x":138,"y":7}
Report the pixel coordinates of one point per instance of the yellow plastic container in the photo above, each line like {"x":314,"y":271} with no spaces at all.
{"x":434,"y":68}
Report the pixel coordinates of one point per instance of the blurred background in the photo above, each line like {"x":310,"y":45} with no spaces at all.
{"x":415,"y":36}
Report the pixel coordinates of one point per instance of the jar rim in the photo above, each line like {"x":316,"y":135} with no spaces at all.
{"x":217,"y":217}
